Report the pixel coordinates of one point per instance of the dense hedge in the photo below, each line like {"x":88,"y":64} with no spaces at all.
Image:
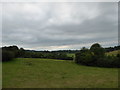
{"x":62,"y":56}
{"x":7,"y":55}
{"x":95,"y":56}
{"x":84,"y":57}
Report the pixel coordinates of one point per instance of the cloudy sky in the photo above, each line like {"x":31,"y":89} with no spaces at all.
{"x":60,"y":25}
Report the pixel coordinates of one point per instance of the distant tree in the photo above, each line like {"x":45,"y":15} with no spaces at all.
{"x":84,"y":49}
{"x":109,"y":49}
{"x":21,"y":52}
{"x":97,"y":50}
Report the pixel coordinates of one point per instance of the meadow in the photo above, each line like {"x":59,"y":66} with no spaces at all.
{"x":52,"y":73}
{"x":71,"y":54}
{"x":113,"y":52}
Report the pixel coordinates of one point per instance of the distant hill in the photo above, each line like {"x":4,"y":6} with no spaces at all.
{"x":109,"y":49}
{"x":113,"y":52}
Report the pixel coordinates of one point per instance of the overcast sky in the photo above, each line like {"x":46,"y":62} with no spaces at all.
{"x":60,"y":25}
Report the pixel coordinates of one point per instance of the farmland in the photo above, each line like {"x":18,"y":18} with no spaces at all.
{"x":113,"y":52}
{"x":59,"y":44}
{"x":52,"y":73}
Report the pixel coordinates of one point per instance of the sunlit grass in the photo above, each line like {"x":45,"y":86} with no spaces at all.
{"x":71,"y":55}
{"x":113,"y":53}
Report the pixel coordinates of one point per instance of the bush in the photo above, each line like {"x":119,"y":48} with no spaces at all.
{"x":117,"y":61}
{"x":108,"y":61}
{"x":85,"y":56}
{"x":96,"y":57}
{"x":97,"y":50}
{"x":13,"y":49}
{"x":61,"y":56}
{"x":7,"y":55}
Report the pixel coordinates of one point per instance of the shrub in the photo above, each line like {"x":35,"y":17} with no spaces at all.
{"x":85,"y":56}
{"x":97,"y":50}
{"x":62,"y":56}
{"x":108,"y":61}
{"x":117,"y":61}
{"x":96,"y":57}
{"x":21,"y":52}
{"x":13,"y":49}
{"x":7,"y":55}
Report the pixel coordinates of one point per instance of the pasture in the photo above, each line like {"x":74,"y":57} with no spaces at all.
{"x":113,"y":52}
{"x":71,"y":55}
{"x":51,"y":73}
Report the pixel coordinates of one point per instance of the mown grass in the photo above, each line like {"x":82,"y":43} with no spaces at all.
{"x":51,"y":73}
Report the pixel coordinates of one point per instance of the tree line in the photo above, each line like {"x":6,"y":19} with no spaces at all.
{"x":10,"y":52}
{"x":95,"y":56}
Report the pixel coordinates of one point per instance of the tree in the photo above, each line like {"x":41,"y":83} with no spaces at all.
{"x":13,"y":49}
{"x":85,"y":56}
{"x":7,"y":55}
{"x":21,"y":52}
{"x":97,"y":50}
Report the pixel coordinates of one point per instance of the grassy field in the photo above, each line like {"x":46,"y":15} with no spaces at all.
{"x":113,"y":52}
{"x":51,"y":73}
{"x":71,"y":55}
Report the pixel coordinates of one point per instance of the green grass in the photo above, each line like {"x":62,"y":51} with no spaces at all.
{"x":113,"y":52}
{"x":70,"y":54}
{"x":51,"y":73}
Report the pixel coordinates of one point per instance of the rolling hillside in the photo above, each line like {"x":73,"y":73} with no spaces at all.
{"x":113,"y":52}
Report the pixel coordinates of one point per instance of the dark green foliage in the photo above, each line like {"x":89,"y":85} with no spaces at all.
{"x":96,"y":57}
{"x":50,"y":55}
{"x":108,"y":61}
{"x":33,"y":54}
{"x":21,"y":52}
{"x":13,"y":49}
{"x":7,"y":55}
{"x":84,"y":56}
{"x":97,"y":50}
{"x":54,"y":55}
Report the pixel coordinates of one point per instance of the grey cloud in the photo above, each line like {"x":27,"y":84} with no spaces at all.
{"x":49,"y":27}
